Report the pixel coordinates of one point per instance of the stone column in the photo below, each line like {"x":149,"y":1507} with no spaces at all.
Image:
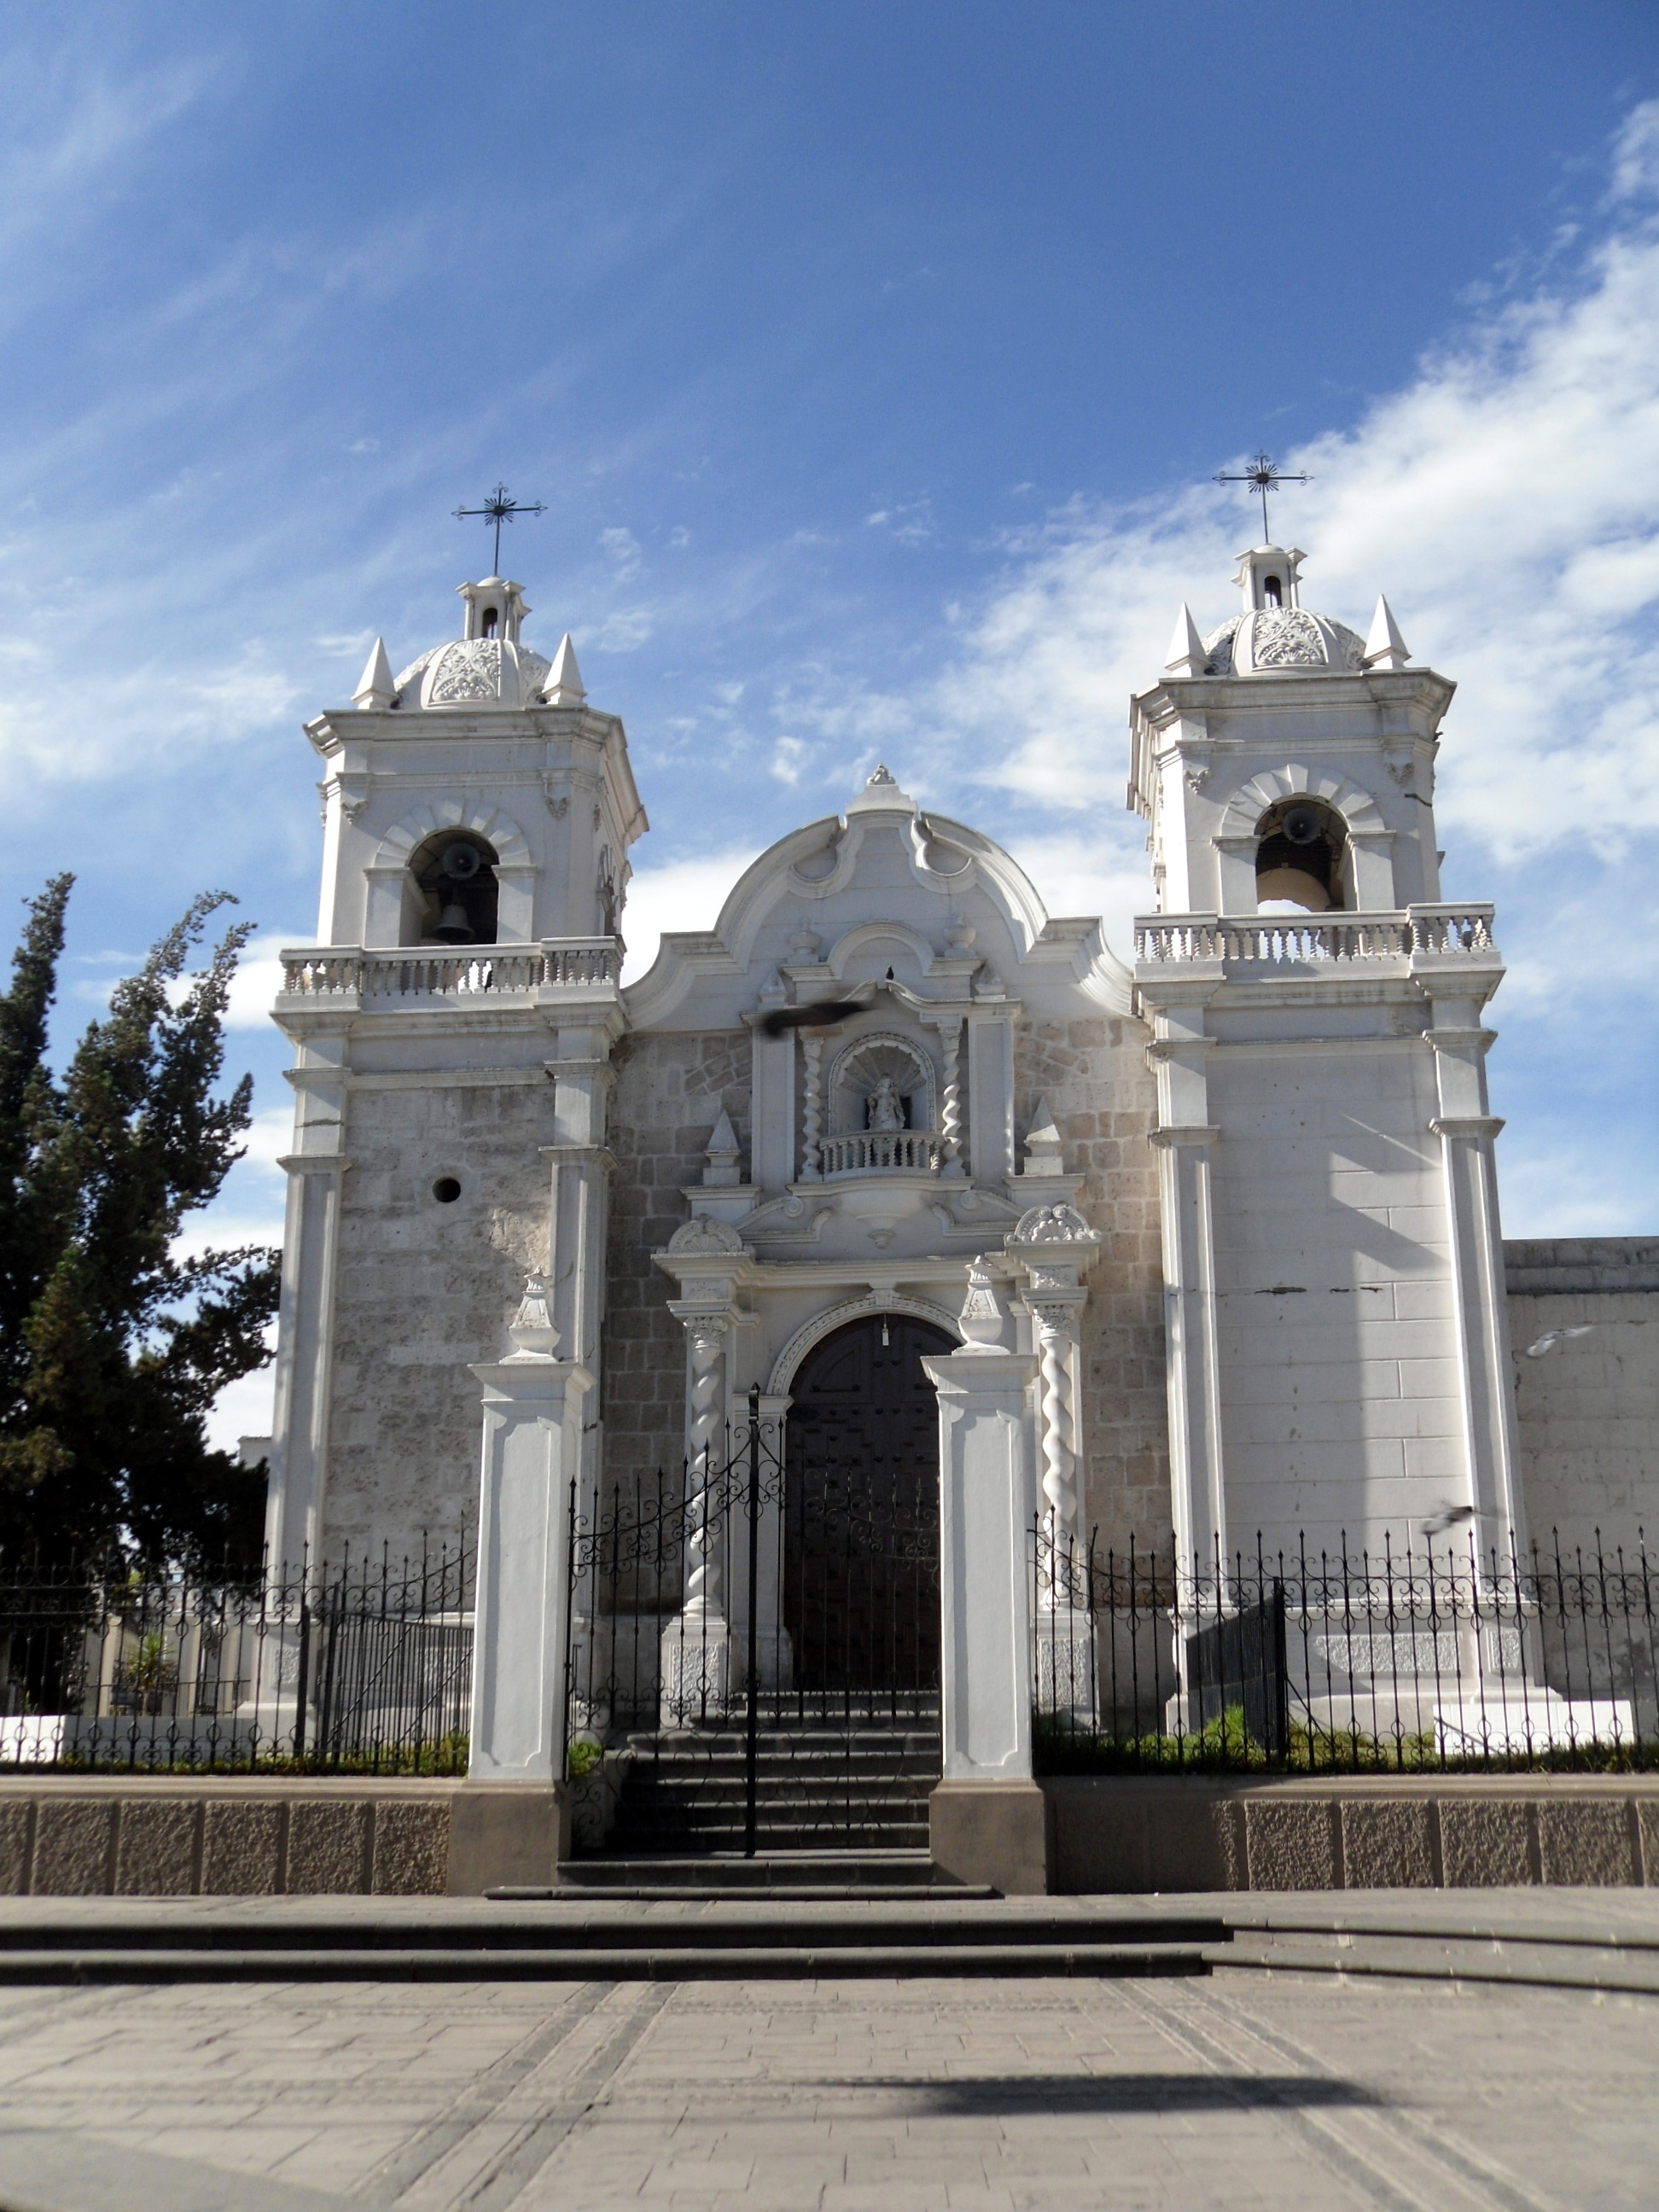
{"x":1054,"y":1244}
{"x":1468,"y":1132}
{"x":1176,"y":995}
{"x":510,"y":1821}
{"x":988,"y":1821}
{"x":698,"y":1666}
{"x":305,"y":1326}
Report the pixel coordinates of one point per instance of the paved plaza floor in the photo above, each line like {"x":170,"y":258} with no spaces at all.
{"x":1286,"y":2091}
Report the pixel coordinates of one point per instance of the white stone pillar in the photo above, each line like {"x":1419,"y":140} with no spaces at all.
{"x":1176,"y":996}
{"x":988,"y":1821}
{"x":1466,"y":1132}
{"x":1192,"y":1351}
{"x":295,"y":1503}
{"x":532,"y":1419}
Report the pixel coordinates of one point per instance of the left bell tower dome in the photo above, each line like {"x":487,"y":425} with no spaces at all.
{"x":451,"y":1028}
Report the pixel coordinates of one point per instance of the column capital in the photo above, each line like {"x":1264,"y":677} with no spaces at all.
{"x":1466,"y":1125}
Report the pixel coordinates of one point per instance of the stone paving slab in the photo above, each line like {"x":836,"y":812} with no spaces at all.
{"x":1303,"y":2093}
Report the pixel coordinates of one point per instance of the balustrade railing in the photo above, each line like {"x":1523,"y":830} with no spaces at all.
{"x":870,"y":1150}
{"x":425,"y":973}
{"x":1277,"y":941}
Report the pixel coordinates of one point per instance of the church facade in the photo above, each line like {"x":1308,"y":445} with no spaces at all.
{"x":1235,"y":1193}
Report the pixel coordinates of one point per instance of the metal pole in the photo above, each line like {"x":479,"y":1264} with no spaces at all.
{"x":751,"y":1746}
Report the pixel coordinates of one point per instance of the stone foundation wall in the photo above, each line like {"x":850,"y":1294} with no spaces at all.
{"x":111,"y":1838}
{"x":423,"y":1289}
{"x":1112,"y":1834}
{"x":668,"y":1092}
{"x":1094,"y":1075}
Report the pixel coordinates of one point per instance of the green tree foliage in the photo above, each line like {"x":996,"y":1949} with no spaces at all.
{"x":111,"y":1347}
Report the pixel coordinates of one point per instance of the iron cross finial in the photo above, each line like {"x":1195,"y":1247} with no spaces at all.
{"x":1265,"y":476}
{"x":498,"y":508}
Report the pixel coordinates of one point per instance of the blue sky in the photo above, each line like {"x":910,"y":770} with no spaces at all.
{"x":873,"y":361}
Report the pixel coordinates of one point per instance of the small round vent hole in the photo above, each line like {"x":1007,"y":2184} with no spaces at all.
{"x":445,"y":1190}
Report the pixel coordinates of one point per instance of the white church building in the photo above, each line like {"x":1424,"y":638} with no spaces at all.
{"x":1233,"y":1188}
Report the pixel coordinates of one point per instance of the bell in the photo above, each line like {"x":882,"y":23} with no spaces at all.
{"x":453,"y":928}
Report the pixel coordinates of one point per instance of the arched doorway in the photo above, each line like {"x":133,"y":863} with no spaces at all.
{"x":860,"y":1582}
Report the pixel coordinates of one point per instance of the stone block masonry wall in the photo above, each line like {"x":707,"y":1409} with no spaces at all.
{"x":181,"y":1838}
{"x":1444,"y":1832}
{"x":423,"y":1289}
{"x":1588,"y":1406}
{"x":668,"y":1092}
{"x":1094,"y":1075}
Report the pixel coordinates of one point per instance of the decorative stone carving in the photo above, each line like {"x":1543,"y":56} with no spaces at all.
{"x":471,"y":670}
{"x":702,"y":1235}
{"x":1052,"y":1224}
{"x":883,"y":1108}
{"x":982,"y":1319}
{"x":1289,"y":640}
{"x":722,"y":1154}
{"x":531,"y":1329}
{"x":872,"y":1078}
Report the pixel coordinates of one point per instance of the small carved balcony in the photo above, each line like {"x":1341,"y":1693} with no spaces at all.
{"x":876,"y":1151}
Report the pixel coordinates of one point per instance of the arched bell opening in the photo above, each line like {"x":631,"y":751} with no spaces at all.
{"x":860,"y":1522}
{"x":1303,"y":858}
{"x":450,"y":891}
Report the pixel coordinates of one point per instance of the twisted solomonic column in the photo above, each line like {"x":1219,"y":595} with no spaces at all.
{"x":950,"y":1118}
{"x":1055,"y":1324}
{"x":811,"y":1107}
{"x":705,"y":1338}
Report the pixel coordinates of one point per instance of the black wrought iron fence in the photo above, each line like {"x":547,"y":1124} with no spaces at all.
{"x":1436,"y":1656}
{"x":754,"y":1655}
{"x":362,"y":1667}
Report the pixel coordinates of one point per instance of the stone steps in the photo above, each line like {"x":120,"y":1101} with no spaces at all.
{"x":863,"y":1786}
{"x":1427,"y":1955}
{"x":623,"y":1941}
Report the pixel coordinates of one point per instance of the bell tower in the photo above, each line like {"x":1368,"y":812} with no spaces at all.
{"x":1338,"y":1357}
{"x":452,"y":1029}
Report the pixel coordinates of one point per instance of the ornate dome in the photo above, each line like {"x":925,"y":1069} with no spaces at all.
{"x":1282,"y":641}
{"x":474,"y":671}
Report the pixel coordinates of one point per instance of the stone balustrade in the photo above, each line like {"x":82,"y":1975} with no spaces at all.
{"x":1281,"y":941}
{"x":430,"y":972}
{"x":871,"y":1152}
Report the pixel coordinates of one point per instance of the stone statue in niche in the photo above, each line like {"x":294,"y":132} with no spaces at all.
{"x":884,"y":1108}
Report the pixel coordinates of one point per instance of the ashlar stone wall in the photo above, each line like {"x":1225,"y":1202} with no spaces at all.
{"x":668,"y":1092}
{"x":1094,"y":1075}
{"x":423,"y":1289}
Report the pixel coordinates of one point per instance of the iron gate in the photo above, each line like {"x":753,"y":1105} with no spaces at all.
{"x":754,"y":1655}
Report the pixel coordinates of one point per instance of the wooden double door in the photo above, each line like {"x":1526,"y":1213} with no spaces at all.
{"x":860,"y":1520}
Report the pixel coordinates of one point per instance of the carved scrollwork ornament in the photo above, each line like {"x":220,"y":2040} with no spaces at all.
{"x":704,"y":1234}
{"x":1052,"y":1224}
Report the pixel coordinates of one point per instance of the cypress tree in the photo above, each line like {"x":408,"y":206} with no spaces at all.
{"x":113,"y":1347}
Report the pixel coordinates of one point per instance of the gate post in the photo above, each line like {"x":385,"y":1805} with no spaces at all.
{"x":509,"y":1824}
{"x":987,"y":1819}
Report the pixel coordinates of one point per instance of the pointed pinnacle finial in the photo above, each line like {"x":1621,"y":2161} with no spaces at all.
{"x":1186,"y":647}
{"x":1384,"y":646}
{"x":563,"y":687}
{"x":375,"y":689}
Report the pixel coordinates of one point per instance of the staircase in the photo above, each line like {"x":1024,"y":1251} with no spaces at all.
{"x":111,"y":1939}
{"x":824,"y":1782}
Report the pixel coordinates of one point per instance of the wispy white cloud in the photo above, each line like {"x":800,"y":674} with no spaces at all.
{"x":682,"y":894}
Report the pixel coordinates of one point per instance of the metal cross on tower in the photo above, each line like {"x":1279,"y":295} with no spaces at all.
{"x":1265,"y":476}
{"x":498,"y":508}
